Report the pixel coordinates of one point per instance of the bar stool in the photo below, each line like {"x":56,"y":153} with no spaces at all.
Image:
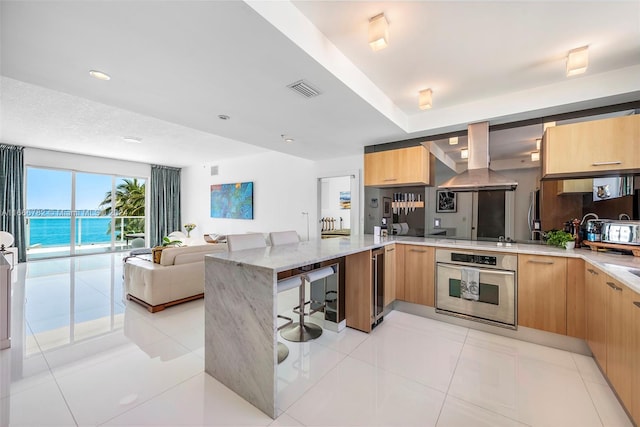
{"x":301,"y":331}
{"x":238,"y":242}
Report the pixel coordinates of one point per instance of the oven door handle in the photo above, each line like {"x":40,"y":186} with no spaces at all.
{"x":482,"y":270}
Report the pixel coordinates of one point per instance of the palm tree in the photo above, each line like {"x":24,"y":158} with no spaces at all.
{"x":129,"y":201}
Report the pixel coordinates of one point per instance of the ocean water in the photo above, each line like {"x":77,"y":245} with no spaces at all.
{"x":47,"y":232}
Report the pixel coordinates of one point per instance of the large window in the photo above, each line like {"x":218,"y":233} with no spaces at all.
{"x":70,"y":213}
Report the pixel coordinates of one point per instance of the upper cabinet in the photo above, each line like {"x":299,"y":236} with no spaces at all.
{"x":400,"y":167}
{"x":591,"y":149}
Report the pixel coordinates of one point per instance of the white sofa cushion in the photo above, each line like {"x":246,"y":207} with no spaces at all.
{"x":169,"y":254}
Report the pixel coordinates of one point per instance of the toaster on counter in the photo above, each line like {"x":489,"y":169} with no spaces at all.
{"x":622,"y":232}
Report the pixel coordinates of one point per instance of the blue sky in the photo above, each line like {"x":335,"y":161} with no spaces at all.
{"x":51,"y":189}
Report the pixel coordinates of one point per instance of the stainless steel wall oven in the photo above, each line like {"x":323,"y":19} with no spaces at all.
{"x":479,"y":286}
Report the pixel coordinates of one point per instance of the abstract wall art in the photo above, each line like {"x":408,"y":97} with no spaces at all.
{"x":232,"y":200}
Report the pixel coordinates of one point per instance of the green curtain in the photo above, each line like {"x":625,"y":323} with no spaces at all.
{"x":12,"y":196}
{"x":165,"y":202}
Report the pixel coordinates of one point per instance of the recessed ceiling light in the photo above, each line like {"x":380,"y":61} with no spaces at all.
{"x":464,"y":153}
{"x":132,"y":139}
{"x":223,"y":117}
{"x":535,"y":156}
{"x":538,"y":144}
{"x":453,"y":140}
{"x":99,"y":75}
{"x":286,"y":138}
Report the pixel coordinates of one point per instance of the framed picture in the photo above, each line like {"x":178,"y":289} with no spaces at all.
{"x":446,"y":201}
{"x":232,"y":200}
{"x":345,"y":200}
{"x":386,"y":207}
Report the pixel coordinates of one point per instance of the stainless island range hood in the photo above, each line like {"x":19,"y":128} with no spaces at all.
{"x":478,"y":176}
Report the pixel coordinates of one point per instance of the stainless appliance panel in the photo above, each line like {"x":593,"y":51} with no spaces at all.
{"x":625,"y":232}
{"x":498,"y":289}
{"x":377,"y":290}
{"x":497,"y":306}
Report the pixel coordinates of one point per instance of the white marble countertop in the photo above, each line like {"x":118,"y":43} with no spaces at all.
{"x":286,"y":257}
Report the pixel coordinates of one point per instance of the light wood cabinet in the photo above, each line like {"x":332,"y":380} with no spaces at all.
{"x":390,"y":266}
{"x":634,"y":303}
{"x":576,"y":315}
{"x":591,"y":149}
{"x":619,"y":318}
{"x":404,"y":166}
{"x":595,"y":303}
{"x":542,"y":293}
{"x":358,"y":290}
{"x":400,"y":272}
{"x":568,"y":186}
{"x":419,"y":274}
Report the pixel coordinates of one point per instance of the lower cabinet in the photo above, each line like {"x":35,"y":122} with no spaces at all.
{"x":595,"y":303}
{"x":634,"y":301}
{"x":390,"y":266}
{"x":613,"y":334}
{"x":542,"y":293}
{"x":358,"y":292}
{"x":620,"y":356}
{"x":419,"y":274}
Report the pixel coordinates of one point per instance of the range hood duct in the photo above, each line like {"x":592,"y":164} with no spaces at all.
{"x":478,"y":176}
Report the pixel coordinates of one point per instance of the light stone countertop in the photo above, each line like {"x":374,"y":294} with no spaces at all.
{"x":286,"y":257}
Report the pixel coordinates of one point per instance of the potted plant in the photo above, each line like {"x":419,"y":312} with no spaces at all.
{"x":561,"y":239}
{"x":166,"y":242}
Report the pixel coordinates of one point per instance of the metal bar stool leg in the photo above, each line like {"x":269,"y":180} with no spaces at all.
{"x":301,"y":331}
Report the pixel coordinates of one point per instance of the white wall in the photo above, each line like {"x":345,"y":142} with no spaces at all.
{"x":283,"y":187}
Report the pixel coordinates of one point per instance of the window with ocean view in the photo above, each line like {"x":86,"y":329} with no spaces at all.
{"x":70,"y":213}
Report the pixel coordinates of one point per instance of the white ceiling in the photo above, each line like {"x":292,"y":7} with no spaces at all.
{"x":177,"y":65}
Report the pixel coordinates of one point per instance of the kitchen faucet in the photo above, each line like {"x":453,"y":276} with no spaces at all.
{"x":589,"y":214}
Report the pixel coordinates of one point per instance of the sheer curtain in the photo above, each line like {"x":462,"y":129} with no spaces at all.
{"x":165,"y":202}
{"x":12,"y":195}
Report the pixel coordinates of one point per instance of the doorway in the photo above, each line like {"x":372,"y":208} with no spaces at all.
{"x":338,"y":206}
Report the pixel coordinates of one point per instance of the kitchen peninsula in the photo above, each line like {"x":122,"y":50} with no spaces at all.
{"x":241,"y":300}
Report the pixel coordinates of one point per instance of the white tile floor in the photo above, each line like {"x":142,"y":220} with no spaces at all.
{"x":81,"y":356}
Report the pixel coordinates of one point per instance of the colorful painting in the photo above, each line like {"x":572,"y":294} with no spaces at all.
{"x":232,"y":200}
{"x":345,"y":200}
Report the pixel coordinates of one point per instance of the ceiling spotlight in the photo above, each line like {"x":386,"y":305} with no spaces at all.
{"x":132,"y":139}
{"x":453,"y":140}
{"x":378,"y":32}
{"x":223,"y":117}
{"x":538,"y":144}
{"x":464,"y":153}
{"x":424,"y":99}
{"x":535,"y":156}
{"x":99,"y":75}
{"x":577,"y":61}
{"x":286,"y":138}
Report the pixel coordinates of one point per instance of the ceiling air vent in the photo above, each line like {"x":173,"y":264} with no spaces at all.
{"x":304,"y":89}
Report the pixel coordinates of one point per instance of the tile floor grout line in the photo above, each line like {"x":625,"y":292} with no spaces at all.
{"x":455,"y":368}
{"x":584,"y":383}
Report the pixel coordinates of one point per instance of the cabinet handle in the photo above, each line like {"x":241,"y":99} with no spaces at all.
{"x":592,"y":271}
{"x":533,"y":261}
{"x":390,"y":179}
{"x":391,"y":249}
{"x":617,"y":162}
{"x":636,"y":303}
{"x":614,"y":287}
{"x":417,"y":250}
